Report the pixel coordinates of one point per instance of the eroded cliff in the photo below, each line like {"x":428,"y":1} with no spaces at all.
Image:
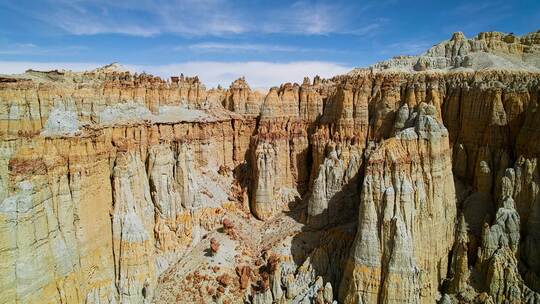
{"x":379,"y":186}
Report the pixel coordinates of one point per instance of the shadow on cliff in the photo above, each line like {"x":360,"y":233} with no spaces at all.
{"x":326,"y":239}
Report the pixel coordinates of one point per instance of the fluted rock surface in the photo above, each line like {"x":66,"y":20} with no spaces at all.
{"x":279,"y":151}
{"x":414,"y":181}
{"x":496,"y":271}
{"x":406,"y":220}
{"x":132,"y":225}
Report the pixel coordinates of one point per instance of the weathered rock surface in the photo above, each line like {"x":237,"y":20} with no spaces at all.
{"x":415,"y":181}
{"x":488,"y":50}
{"x":406,"y":221}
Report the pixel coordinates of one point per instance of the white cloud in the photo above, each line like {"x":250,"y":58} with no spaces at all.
{"x":413,"y":47}
{"x":305,"y":17}
{"x":136,"y":17}
{"x":321,"y":18}
{"x":17,"y":48}
{"x":245,"y":47}
{"x":32,"y":49}
{"x":257,"y":73}
{"x":368,"y":30}
{"x":211,"y":73}
{"x":194,"y":17}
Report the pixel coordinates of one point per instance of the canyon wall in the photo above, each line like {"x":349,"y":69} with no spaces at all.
{"x":379,"y":186}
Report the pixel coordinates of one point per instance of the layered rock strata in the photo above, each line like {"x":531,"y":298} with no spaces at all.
{"x":374,"y":187}
{"x":407,"y":212}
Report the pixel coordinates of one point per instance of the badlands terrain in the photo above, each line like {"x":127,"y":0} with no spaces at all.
{"x":415,"y":180}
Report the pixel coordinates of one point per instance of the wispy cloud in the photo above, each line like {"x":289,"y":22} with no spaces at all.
{"x":136,"y":17}
{"x":257,"y":73}
{"x":32,"y":49}
{"x":249,"y":47}
{"x":411,"y":47}
{"x":218,"y":46}
{"x":194,"y":17}
{"x":471,"y":8}
{"x":370,"y":29}
{"x":320,"y":18}
{"x":304,"y":17}
{"x":17,"y":48}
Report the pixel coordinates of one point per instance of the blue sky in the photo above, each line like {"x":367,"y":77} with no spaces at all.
{"x":267,"y":41}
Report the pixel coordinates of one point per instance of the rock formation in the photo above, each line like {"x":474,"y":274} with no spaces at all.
{"x":412,"y":181}
{"x":407,"y":212}
{"x":488,"y":50}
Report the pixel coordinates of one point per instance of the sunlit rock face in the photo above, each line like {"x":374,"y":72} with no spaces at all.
{"x":487,"y":50}
{"x":407,"y":214}
{"x":414,"y":181}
